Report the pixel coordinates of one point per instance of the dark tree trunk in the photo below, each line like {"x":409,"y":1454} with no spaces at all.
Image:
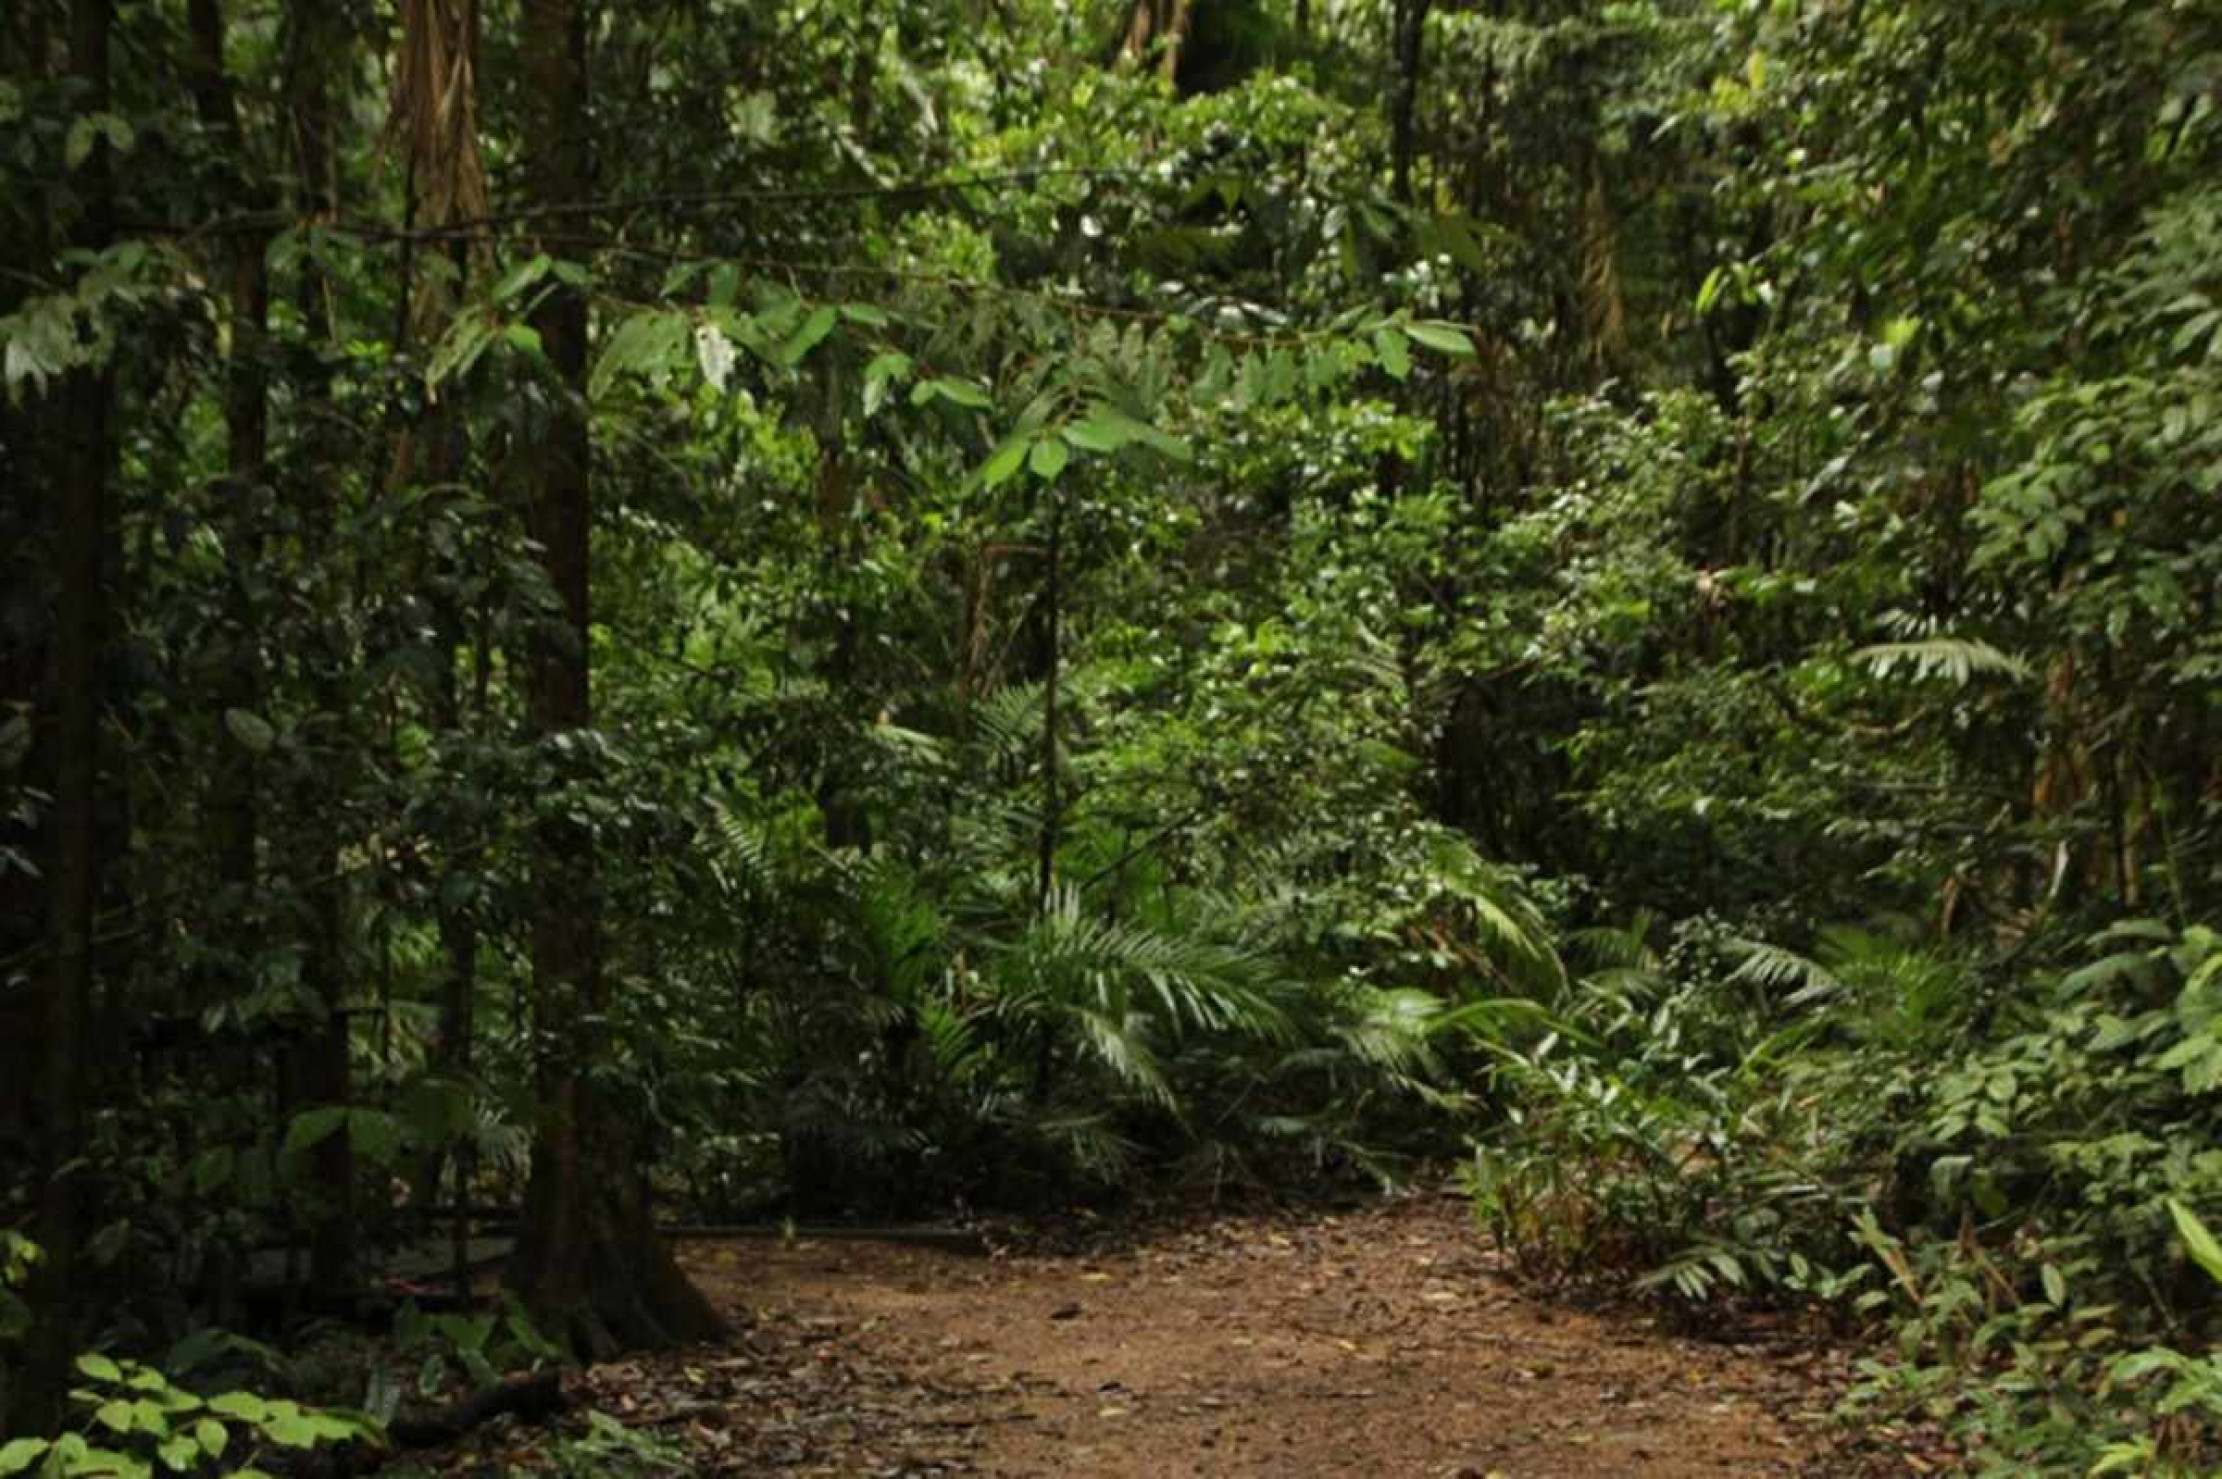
{"x":75,"y":692}
{"x":588,"y":1263}
{"x":1411,"y":31}
{"x":247,"y":440}
{"x":846,"y":821}
{"x":26,"y":616}
{"x":1053,"y":599}
{"x":321,"y":1072}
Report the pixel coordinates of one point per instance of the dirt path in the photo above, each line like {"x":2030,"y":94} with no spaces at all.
{"x":1376,"y":1343}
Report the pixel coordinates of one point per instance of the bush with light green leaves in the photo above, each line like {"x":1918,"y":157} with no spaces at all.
{"x":138,"y":1424}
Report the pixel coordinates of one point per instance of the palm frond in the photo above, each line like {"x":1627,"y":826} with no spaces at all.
{"x":1625,"y":947}
{"x":1775,"y":968}
{"x":1959,"y":659}
{"x":1513,"y":932}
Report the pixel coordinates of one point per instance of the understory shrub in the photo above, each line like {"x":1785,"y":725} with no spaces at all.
{"x":2006,"y":1171}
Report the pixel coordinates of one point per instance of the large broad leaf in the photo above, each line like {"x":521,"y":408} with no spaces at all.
{"x":1441,"y":337}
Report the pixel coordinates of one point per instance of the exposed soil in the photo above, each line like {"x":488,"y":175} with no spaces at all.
{"x":1381,"y":1342}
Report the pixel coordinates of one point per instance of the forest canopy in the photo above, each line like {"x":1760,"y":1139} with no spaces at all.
{"x":711,"y":610}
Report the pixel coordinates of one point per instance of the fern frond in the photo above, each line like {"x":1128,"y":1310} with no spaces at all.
{"x":740,"y":851}
{"x":1960,"y":659}
{"x":1624,"y":947}
{"x":1775,"y":968}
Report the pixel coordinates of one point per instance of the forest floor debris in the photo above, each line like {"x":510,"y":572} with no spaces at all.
{"x":1382,"y":1342}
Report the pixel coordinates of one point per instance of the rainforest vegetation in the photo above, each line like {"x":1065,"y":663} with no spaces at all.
{"x":698,"y":611}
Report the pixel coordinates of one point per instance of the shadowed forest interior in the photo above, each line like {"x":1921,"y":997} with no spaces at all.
{"x":636,"y":632}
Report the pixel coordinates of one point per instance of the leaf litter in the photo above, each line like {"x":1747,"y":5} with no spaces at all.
{"x":1382,"y":1341}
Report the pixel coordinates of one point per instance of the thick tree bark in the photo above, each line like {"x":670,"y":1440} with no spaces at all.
{"x":434,"y":119}
{"x":74,"y":868}
{"x":589,"y":1263}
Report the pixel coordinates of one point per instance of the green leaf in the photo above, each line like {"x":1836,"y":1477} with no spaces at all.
{"x":2197,"y":1240}
{"x":91,"y":129}
{"x":1097,"y":435}
{"x":631,"y":347}
{"x":99,"y":1367}
{"x":251,"y":730}
{"x":1441,"y":337}
{"x":1453,"y":237}
{"x":1395,"y":352}
{"x":18,"y":1454}
{"x":813,"y":331}
{"x":213,"y":1436}
{"x":956,"y":392}
{"x":725,"y":285}
{"x":293,"y":1429}
{"x":1115,"y":423}
{"x":522,"y":276}
{"x":314,"y":1126}
{"x":1047,"y":459}
{"x":877,"y":374}
{"x":1709,"y":294}
{"x":375,"y":1135}
{"x":1003,"y":461}
{"x":116,"y":1414}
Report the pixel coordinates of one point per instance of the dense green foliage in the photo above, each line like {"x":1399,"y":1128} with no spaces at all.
{"x":1233,"y":593}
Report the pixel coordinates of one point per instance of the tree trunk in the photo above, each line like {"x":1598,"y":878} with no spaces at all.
{"x":1411,"y":31}
{"x":26,"y":604}
{"x":588,"y":1263}
{"x":1160,"y":23}
{"x":75,"y":695}
{"x":247,"y":440}
{"x":321,"y":1071}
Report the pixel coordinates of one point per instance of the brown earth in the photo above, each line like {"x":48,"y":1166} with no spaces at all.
{"x":1381,"y":1342}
